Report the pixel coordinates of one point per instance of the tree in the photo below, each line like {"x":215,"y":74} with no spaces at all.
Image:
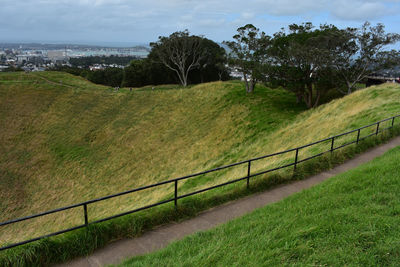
{"x":180,"y":52}
{"x":108,"y":76}
{"x":249,"y":54}
{"x":360,"y":52}
{"x":300,"y":59}
{"x":136,"y":74}
{"x":113,"y":76}
{"x":212,"y":64}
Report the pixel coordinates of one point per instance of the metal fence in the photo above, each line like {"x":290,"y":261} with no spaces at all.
{"x":297,"y":160}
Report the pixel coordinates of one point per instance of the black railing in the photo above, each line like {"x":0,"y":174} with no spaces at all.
{"x":175,"y":181}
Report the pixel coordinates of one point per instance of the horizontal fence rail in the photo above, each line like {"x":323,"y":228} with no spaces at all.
{"x":175,"y":181}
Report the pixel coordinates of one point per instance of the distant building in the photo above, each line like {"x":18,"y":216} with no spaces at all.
{"x":96,"y":67}
{"x":22,"y":58}
{"x":10,"y":62}
{"x":57,"y":56}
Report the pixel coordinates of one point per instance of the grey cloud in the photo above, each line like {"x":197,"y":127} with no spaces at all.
{"x":145,"y":20}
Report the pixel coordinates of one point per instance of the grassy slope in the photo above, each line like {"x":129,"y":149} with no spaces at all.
{"x":352,"y":219}
{"x":70,"y":142}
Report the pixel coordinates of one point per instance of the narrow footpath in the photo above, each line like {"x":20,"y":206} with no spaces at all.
{"x":158,"y":238}
{"x":54,"y":83}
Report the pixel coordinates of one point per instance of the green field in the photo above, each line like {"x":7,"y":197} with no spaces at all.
{"x":352,"y":219}
{"x":65,"y":140}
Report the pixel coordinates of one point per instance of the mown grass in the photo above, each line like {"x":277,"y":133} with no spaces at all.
{"x":74,"y":144}
{"x":350,"y":220}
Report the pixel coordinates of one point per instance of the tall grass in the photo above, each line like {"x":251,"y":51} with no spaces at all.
{"x":66,"y":145}
{"x":75,"y":144}
{"x":84,"y":241}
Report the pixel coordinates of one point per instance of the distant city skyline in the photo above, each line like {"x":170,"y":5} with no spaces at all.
{"x":130,"y":23}
{"x":99,"y":43}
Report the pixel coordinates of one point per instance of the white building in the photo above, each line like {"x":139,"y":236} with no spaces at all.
{"x":22,"y":58}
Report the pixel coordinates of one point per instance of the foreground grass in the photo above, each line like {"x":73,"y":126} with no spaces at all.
{"x":350,"y":220}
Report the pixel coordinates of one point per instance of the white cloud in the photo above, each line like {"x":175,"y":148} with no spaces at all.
{"x":359,"y":10}
{"x":291,"y":7}
{"x":247,"y":15}
{"x":211,"y":22}
{"x":145,"y":20}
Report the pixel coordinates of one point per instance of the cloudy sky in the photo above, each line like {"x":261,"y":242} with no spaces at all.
{"x":132,"y":21}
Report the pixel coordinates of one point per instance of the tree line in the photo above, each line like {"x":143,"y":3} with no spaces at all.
{"x":180,"y":58}
{"x":306,"y":60}
{"x":310,"y":61}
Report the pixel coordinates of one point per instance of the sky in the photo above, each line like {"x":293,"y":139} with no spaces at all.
{"x":132,"y":22}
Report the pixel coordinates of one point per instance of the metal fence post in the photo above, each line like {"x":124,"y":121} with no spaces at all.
{"x":86,"y":214}
{"x":175,"y":181}
{"x":295,"y":159}
{"x":176,"y":194}
{"x":248,"y":174}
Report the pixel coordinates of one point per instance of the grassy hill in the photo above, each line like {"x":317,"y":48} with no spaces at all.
{"x":65,"y":140}
{"x":350,"y":220}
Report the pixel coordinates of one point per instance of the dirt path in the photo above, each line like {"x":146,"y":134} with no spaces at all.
{"x":156,"y":239}
{"x":52,"y":82}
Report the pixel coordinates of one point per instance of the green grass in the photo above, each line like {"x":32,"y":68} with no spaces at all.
{"x":350,"y":220}
{"x":73,"y":141}
{"x":75,"y":144}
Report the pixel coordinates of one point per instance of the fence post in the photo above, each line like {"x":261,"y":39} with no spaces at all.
{"x":393,"y":122}
{"x":295,"y":159}
{"x":176,"y":194}
{"x":358,"y":136}
{"x":86,"y":214}
{"x":332,"y":144}
{"x":248,"y":174}
{"x":377,"y":128}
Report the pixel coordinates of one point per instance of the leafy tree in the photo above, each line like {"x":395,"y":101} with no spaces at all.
{"x":249,"y":54}
{"x":180,"y":52}
{"x":108,"y":76}
{"x":301,"y":61}
{"x":148,"y":72}
{"x":211,"y":66}
{"x":113,"y":76}
{"x":136,"y":74}
{"x":153,"y":71}
{"x":96,"y":76}
{"x":360,"y":52}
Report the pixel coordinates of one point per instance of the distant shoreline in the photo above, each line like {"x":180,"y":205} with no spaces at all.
{"x":50,"y":45}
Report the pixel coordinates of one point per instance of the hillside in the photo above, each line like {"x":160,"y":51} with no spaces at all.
{"x":68,"y":140}
{"x":349,"y":220}
{"x":65,"y":140}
